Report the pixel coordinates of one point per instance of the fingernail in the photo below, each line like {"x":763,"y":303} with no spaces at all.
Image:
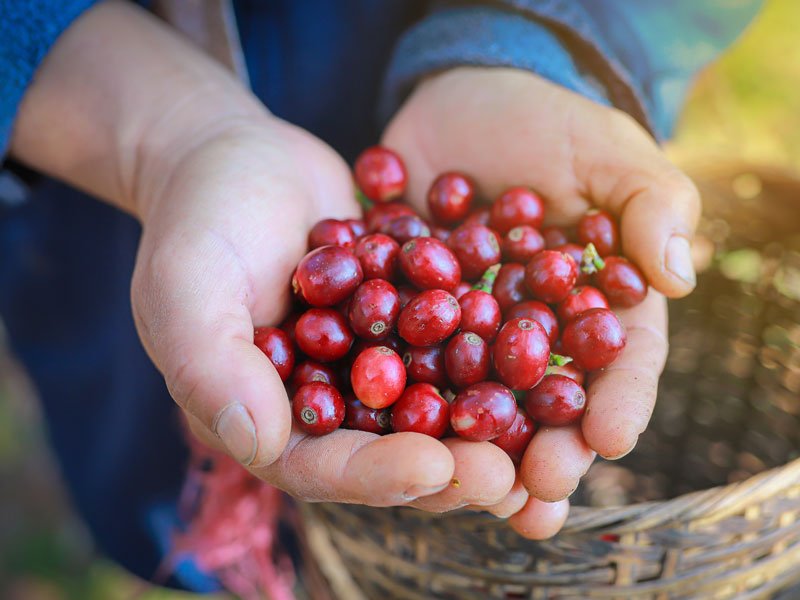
{"x":234,"y":426}
{"x":418,"y":491}
{"x":678,"y":259}
{"x":621,"y":454}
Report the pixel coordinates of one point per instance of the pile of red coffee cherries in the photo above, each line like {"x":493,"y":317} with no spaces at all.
{"x":441,"y":327}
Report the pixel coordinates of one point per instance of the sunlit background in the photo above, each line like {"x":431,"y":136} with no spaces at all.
{"x":744,"y":110}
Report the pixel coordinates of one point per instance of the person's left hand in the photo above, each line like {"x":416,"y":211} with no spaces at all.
{"x":507,"y":127}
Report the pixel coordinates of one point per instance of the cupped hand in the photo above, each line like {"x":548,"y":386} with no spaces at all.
{"x":507,"y":127}
{"x":222,"y":235}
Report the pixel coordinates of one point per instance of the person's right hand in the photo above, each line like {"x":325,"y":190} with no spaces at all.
{"x":223,"y":232}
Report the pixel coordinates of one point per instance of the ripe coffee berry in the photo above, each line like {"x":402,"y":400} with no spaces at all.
{"x":521,"y":243}
{"x":516,"y":206}
{"x":406,"y":228}
{"x":380,"y":174}
{"x":421,"y":409}
{"x":450,"y":198}
{"x":480,"y":314}
{"x":556,"y":401}
{"x":323,"y":334}
{"x":509,"y":287}
{"x":373,"y":309}
{"x":478,"y":217}
{"x":430,"y":318}
{"x":476,"y":247}
{"x":425,"y":364}
{"x":621,"y":281}
{"x":554,"y":237}
{"x":327,"y":276}
{"x":331,"y":232}
{"x":594,"y":339}
{"x":429,"y":264}
{"x":599,"y":228}
{"x":520,"y":354}
{"x":362,"y":418}
{"x":310,"y":371}
{"x":378,"y":377}
{"x":536,"y":311}
{"x":580,"y":299}
{"x":550,"y":275}
{"x":377,"y":254}
{"x":516,"y":439}
{"x":483,"y":411}
{"x":318,"y":408}
{"x":466,"y":359}
{"x":278,"y":347}
{"x":379,"y":215}
{"x":440,"y":233}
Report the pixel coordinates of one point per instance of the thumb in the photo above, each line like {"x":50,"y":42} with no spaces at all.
{"x":202,"y":342}
{"x":658,"y":206}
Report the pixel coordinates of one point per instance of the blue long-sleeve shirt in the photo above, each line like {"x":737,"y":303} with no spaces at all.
{"x":66,"y":260}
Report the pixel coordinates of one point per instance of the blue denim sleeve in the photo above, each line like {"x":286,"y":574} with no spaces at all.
{"x":28,"y":29}
{"x":636,"y":56}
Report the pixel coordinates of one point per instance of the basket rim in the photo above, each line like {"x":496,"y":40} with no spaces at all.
{"x":703,"y":507}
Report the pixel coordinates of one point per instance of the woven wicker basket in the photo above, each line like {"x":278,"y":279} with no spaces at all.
{"x":702,"y":508}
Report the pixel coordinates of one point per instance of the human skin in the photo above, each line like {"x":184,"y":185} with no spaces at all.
{"x":125,"y":109}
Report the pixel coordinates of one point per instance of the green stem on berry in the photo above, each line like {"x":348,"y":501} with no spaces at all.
{"x":486,"y":282}
{"x":362,"y":199}
{"x":557,"y":360}
{"x":591,"y":261}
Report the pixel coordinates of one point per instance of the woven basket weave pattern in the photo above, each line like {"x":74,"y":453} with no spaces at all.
{"x":727,"y":413}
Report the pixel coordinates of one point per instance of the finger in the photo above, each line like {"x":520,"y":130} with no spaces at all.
{"x":509,"y":505}
{"x":200,"y":335}
{"x":540,"y":520}
{"x":483,"y":476}
{"x":554,"y":462}
{"x":620,"y":399}
{"x":359,"y":467}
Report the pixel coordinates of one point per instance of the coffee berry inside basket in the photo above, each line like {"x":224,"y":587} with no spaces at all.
{"x":478,"y":323}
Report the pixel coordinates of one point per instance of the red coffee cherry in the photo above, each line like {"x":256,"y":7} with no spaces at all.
{"x":429,"y":264}
{"x":622,"y":282}
{"x":520,"y":354}
{"x":516,"y":206}
{"x":379,"y":215}
{"x":373,"y":309}
{"x":509,"y":287}
{"x":556,"y":401}
{"x":594,"y":339}
{"x":323,"y":334}
{"x":476,"y":247}
{"x":331,"y":232}
{"x":599,"y":228}
{"x":406,"y":228}
{"x":429,"y":319}
{"x":450,"y":198}
{"x":380,"y":174}
{"x":466,"y":359}
{"x":318,"y":408}
{"x":363,"y":418}
{"x":377,"y":254}
{"x":550,"y":275}
{"x":521,"y":243}
{"x":278,"y":348}
{"x":327,"y":276}
{"x":309,"y":371}
{"x":480,"y":313}
{"x":580,"y":299}
{"x":483,"y":411}
{"x":425,"y":364}
{"x":554,"y":237}
{"x":378,"y":377}
{"x":421,"y":409}
{"x":536,"y":311}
